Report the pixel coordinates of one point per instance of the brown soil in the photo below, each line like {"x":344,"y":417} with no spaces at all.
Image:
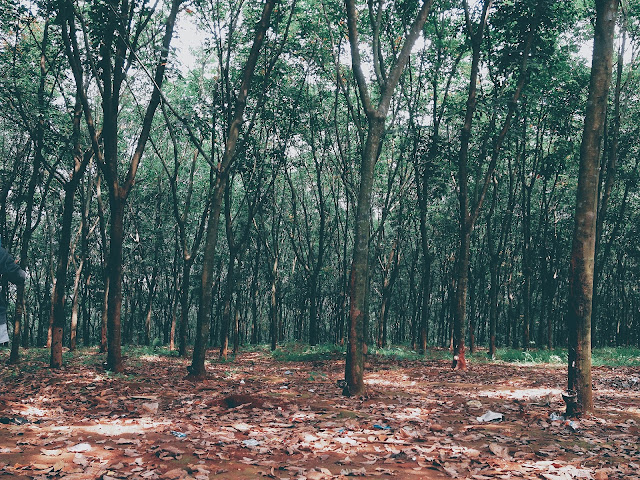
{"x":255,"y":418}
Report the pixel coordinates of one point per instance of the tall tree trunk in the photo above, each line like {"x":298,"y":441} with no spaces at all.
{"x":468,"y":214}
{"x":184,"y":306}
{"x":105,"y":272}
{"x":197,"y":368}
{"x":273,"y":305}
{"x":359,"y":277}
{"x":225,"y":322}
{"x":255,"y":333}
{"x":314,"y":287}
{"x":58,"y":298}
{"x":526,"y":266}
{"x":57,"y":301}
{"x":114,"y":297}
{"x":152,"y":285}
{"x":584,"y":235}
{"x":425,"y":283}
{"x":608,"y":173}
{"x":493,"y":273}
{"x":390,"y":276}
{"x":113,"y":52}
{"x":465,"y":221}
{"x":376,"y":118}
{"x":460,"y":305}
{"x":37,"y":137}
{"x":104,"y":316}
{"x":73,"y":341}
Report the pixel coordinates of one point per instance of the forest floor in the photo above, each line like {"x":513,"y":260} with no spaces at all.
{"x":259,"y":418}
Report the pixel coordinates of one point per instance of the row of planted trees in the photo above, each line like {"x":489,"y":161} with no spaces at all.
{"x":351,"y":173}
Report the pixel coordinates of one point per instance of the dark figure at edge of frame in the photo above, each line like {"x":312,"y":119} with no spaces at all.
{"x":12,"y":272}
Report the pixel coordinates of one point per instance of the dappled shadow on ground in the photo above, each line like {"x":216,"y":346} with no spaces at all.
{"x":257,"y":418}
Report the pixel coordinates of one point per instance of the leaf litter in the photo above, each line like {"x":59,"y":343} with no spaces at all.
{"x":418,"y":420}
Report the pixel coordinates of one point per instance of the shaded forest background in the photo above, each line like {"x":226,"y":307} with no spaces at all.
{"x":106,"y":125}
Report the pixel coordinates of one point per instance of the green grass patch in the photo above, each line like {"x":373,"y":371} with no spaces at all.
{"x":396,"y":352}
{"x":610,"y":356}
{"x":556,"y":356}
{"x":138,"y":351}
{"x":616,"y":357}
{"x":297,"y":352}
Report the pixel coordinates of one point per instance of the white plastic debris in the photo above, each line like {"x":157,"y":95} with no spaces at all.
{"x":490,"y":417}
{"x":79,"y":448}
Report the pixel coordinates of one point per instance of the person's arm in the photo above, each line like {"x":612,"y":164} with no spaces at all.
{"x":10,"y":269}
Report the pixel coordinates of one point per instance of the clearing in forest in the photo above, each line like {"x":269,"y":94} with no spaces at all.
{"x":256,"y":417}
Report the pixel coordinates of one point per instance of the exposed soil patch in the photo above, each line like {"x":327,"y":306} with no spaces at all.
{"x":256,"y":418}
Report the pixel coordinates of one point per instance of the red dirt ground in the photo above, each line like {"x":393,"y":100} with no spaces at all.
{"x":255,"y":418}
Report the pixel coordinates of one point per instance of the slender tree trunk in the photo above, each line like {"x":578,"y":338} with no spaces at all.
{"x":37,"y":137}
{"x":472,"y":315}
{"x":197,"y":368}
{"x":425,"y":284}
{"x":236,"y":330}
{"x":493,"y":273}
{"x":608,"y":173}
{"x":184,"y":306}
{"x":57,"y":301}
{"x":376,"y":118}
{"x":314,"y":330}
{"x":104,"y":316}
{"x":273,"y":305}
{"x":113,"y":52}
{"x":86,"y":310}
{"x":584,"y":236}
{"x":114,"y":298}
{"x":462,"y":276}
{"x":359,"y":277}
{"x":225,"y":322}
{"x":255,"y":333}
{"x":152,"y":291}
{"x":468,"y":215}
{"x":465,"y":221}
{"x":526,"y":264}
{"x":86,"y":262}
{"x":74,"y":307}
{"x":390,"y":276}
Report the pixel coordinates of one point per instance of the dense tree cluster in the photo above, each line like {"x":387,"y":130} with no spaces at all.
{"x":361,"y":173}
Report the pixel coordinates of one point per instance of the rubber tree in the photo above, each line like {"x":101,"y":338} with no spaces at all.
{"x":584,"y":234}
{"x":118,"y":29}
{"x":69,"y":184}
{"x":469,"y":212}
{"x":609,"y":167}
{"x":197,"y":367}
{"x":182,"y":200}
{"x":376,"y":118}
{"x":32,"y":110}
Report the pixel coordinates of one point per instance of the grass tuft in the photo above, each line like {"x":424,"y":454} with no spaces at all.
{"x":297,"y":352}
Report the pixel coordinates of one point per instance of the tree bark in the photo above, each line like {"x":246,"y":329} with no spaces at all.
{"x":376,"y":118}
{"x":184,"y":306}
{"x":255,"y":331}
{"x":61,"y":276}
{"x":37,"y":137}
{"x":584,"y":235}
{"x":273,"y":304}
{"x":467,"y":214}
{"x":197,"y":368}
{"x":114,"y":297}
